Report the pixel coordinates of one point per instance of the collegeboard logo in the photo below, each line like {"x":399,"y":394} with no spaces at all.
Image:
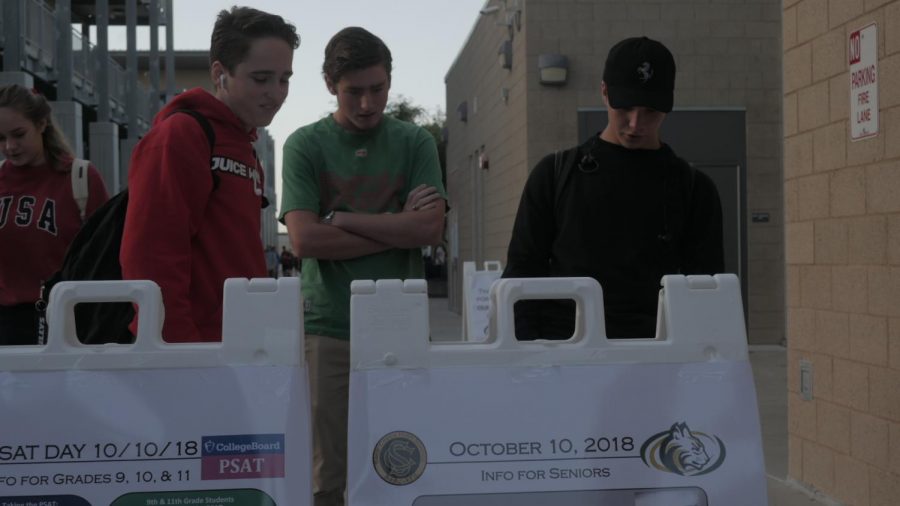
{"x":242,"y":456}
{"x":682,"y":451}
{"x":399,"y":458}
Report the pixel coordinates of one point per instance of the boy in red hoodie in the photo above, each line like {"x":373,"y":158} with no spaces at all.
{"x":193,"y":214}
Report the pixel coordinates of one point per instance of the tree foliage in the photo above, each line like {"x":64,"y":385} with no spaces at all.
{"x":403,"y":109}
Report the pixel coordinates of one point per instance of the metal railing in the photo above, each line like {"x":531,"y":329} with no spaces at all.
{"x":2,"y":28}
{"x":118,"y":91}
{"x":82,"y":67}
{"x":39,"y":35}
{"x":145,"y":107}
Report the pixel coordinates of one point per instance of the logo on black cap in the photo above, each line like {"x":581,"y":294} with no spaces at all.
{"x":645,"y":71}
{"x":640,"y":72}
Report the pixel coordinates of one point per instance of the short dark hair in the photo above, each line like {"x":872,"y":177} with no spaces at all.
{"x":354,"y":48}
{"x":235,"y":31}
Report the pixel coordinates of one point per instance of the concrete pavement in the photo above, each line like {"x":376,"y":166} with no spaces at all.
{"x":770,"y":376}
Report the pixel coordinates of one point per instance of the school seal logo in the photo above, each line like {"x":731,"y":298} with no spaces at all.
{"x":682,"y":451}
{"x":399,"y":458}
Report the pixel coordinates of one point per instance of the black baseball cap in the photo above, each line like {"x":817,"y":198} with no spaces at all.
{"x":640,"y":72}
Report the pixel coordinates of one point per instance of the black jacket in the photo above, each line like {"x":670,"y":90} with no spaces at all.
{"x":623,"y":217}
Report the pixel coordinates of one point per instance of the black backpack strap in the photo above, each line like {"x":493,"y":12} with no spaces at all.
{"x":563,"y":163}
{"x":210,"y":135}
{"x":204,"y":124}
{"x":679,"y":194}
{"x":688,"y":205}
{"x":557,"y":169}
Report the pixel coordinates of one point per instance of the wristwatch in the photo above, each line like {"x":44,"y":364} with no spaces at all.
{"x":326,"y":220}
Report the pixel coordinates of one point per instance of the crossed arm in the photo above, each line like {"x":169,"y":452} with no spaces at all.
{"x":351,"y":235}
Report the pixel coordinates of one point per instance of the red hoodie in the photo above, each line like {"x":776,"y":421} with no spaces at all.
{"x":38,"y":220}
{"x":179,"y":231}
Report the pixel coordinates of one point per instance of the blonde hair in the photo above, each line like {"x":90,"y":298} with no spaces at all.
{"x":37,"y":109}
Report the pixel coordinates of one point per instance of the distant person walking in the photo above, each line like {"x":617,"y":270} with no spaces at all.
{"x":272,"y":261}
{"x":287,"y":262}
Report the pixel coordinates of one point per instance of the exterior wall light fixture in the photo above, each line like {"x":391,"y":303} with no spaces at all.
{"x":554,"y":69}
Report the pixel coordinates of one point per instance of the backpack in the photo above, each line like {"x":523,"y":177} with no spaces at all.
{"x":93,"y":255}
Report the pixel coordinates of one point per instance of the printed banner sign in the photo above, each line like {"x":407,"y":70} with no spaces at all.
{"x":583,"y":435}
{"x":153,"y":424}
{"x":590,"y":421}
{"x":226,"y":435}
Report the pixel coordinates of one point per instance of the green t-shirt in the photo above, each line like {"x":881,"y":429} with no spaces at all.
{"x":327,"y":168}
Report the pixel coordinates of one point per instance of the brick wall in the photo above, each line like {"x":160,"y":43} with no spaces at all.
{"x":495,"y":126}
{"x":842,"y":214}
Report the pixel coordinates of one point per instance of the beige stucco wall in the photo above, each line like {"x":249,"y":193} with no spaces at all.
{"x":728,"y":55}
{"x":843,"y":255}
{"x":496,"y":127}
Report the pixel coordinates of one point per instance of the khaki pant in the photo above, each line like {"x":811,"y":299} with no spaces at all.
{"x":328,"y":363}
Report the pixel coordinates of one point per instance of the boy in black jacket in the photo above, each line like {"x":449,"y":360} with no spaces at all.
{"x":621,"y":208}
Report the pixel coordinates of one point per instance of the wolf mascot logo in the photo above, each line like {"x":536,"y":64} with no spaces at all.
{"x":682,"y":451}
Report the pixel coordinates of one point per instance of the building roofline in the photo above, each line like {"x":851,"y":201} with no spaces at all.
{"x":186,"y":58}
{"x":466,"y":43}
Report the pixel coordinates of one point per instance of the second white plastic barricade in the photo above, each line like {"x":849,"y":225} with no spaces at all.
{"x":154,"y":423}
{"x":477,"y":300}
{"x":638,"y":422}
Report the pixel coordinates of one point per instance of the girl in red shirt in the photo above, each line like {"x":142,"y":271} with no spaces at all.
{"x":38,"y":213}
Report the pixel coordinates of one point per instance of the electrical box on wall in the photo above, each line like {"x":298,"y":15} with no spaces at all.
{"x":806,"y":380}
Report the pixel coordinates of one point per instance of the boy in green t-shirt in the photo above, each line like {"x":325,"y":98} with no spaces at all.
{"x":362,"y":193}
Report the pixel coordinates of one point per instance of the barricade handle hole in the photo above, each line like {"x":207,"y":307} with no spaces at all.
{"x":550,"y":319}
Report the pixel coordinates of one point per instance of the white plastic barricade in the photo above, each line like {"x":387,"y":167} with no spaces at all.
{"x":155,"y":423}
{"x":671,"y":421}
{"x":477,"y":298}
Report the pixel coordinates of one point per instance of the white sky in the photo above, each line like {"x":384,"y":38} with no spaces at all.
{"x":424,"y":37}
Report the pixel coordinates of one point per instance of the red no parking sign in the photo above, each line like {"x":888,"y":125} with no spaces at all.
{"x":863,"y":52}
